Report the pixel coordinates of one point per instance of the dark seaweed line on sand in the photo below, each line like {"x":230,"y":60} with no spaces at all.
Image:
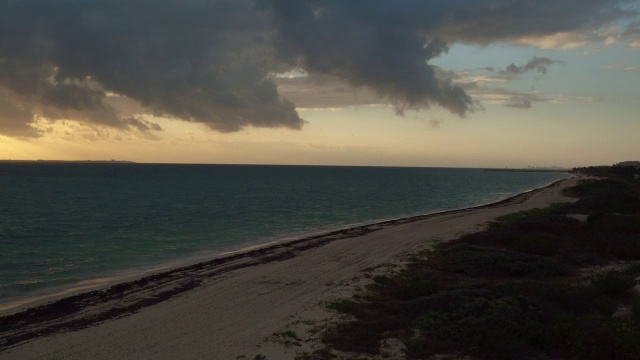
{"x":75,"y":312}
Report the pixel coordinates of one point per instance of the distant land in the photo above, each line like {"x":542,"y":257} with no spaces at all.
{"x":635,"y":164}
{"x":67,"y":161}
{"x":529,"y":169}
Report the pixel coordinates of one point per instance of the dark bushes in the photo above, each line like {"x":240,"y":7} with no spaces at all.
{"x":515,"y":290}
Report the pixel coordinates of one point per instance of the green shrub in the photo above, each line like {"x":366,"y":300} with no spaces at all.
{"x":481,"y":261}
{"x":354,"y":336}
{"x":324,"y":353}
{"x":616,"y":284}
{"x":595,"y":338}
{"x":479,"y":319}
{"x":635,"y":311}
{"x":407,"y":288}
{"x":535,"y":245}
{"x":287,"y":338}
{"x":381,"y":279}
{"x":614,"y":195}
{"x":345,"y":306}
{"x":613,"y":236}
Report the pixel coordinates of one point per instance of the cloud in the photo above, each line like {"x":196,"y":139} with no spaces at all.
{"x":500,"y":76}
{"x":508,"y":97}
{"x":201,"y":61}
{"x":435,"y":123}
{"x":519,"y":102}
{"x":561,"y":40}
{"x":576,"y":39}
{"x":632,"y":34}
{"x":324,"y":91}
{"x":15,"y":118}
{"x":386,"y":45}
{"x":481,"y":22}
{"x":493,"y":91}
{"x":623,"y":67}
{"x":375,"y":44}
{"x":212,"y":61}
{"x":538,"y":64}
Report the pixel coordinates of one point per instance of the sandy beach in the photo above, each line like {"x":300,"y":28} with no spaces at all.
{"x":237,"y":305}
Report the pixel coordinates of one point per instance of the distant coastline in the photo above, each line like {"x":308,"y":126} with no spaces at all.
{"x":529,"y":170}
{"x":68,"y":161}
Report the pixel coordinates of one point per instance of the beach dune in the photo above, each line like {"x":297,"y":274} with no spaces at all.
{"x":238,"y":305}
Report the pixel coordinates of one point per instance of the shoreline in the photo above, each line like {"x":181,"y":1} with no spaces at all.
{"x":164,"y":238}
{"x":130,"y":275}
{"x":88,"y":310}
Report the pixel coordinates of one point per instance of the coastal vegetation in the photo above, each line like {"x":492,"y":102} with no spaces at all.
{"x":556,"y":283}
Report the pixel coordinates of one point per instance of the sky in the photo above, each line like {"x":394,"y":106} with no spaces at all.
{"x":444,"y":83}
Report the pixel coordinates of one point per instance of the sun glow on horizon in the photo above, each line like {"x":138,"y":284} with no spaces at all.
{"x":496,"y":137}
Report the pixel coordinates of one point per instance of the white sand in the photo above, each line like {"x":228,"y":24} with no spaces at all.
{"x":238,"y":312}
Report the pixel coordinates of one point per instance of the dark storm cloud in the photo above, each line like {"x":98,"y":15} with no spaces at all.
{"x":211,"y":61}
{"x":382,"y":45}
{"x":202,"y":61}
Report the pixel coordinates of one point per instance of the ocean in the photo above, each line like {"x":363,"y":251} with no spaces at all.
{"x":65,"y":224}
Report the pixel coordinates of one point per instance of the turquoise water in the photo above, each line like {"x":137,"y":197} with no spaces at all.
{"x":63,"y":223}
